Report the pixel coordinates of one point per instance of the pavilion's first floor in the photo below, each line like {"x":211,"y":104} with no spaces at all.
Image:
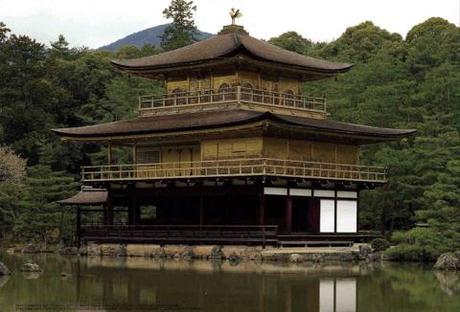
{"x":218,"y":212}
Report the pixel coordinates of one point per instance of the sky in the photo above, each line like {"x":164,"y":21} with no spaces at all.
{"x":94,"y":23}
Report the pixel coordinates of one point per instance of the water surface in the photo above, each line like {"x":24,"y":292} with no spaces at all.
{"x":137,"y":284}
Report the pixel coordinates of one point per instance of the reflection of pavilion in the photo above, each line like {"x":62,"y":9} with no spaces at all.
{"x":221,"y":289}
{"x":337,"y":295}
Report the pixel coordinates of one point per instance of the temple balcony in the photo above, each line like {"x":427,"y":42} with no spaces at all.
{"x":247,"y":167}
{"x":233,"y":97}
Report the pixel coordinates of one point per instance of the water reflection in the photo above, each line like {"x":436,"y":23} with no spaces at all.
{"x":212,"y":286}
{"x":133,"y":283}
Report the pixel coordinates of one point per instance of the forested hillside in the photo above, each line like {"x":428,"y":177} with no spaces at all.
{"x":150,"y":36}
{"x":411,"y":82}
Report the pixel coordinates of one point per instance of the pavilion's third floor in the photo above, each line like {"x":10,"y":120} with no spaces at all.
{"x":233,"y":89}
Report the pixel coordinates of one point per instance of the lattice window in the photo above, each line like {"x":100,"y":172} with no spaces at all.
{"x":149,"y":157}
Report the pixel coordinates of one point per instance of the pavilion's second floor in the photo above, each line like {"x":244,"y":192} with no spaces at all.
{"x":236,"y":157}
{"x":231,"y":143}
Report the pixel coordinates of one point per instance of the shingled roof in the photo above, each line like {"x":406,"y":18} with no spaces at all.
{"x":226,"y":45}
{"x":220,"y":119}
{"x":87,"y":196}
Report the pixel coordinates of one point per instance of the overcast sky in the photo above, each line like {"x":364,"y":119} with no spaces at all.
{"x":94,"y":23}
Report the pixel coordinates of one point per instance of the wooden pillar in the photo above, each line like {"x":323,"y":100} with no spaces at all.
{"x":133,"y":209}
{"x":108,"y":211}
{"x":78,"y":226}
{"x":109,"y":154}
{"x":105,"y":214}
{"x":201,"y":209}
{"x":288,"y":220}
{"x":262,"y":208}
{"x":134,"y":154}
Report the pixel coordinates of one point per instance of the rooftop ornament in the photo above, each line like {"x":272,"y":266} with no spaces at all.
{"x":234,"y":14}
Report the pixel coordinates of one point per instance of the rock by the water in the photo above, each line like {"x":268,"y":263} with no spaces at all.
{"x":234,"y":258}
{"x":159,"y":253}
{"x":375,"y":257}
{"x":188,"y":253}
{"x":364,"y":251}
{"x":217,"y":253}
{"x":296,"y":258}
{"x":68,"y":251}
{"x":30,"y":248}
{"x":4,"y":269}
{"x":31,"y":267}
{"x":448,"y":261}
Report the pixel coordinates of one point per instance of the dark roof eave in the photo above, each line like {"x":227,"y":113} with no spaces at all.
{"x":221,"y":61}
{"x":392,"y":134}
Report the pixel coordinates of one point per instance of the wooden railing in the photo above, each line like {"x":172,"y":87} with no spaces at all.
{"x":263,"y":234}
{"x":234,"y":168}
{"x":237,"y":94}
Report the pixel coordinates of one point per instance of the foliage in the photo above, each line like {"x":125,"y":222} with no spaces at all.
{"x":41,"y":218}
{"x":12,"y":178}
{"x":379,"y":244}
{"x":406,"y":252}
{"x":182,"y":30}
{"x":292,"y":41}
{"x":12,"y":167}
{"x":50,"y":87}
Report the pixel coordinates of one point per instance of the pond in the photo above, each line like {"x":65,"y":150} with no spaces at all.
{"x":138,"y":284}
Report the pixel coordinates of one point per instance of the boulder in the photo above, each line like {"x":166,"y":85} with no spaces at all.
{"x":448,"y":261}
{"x":30,"y":249}
{"x":113,"y":250}
{"x":296,"y":258}
{"x":31,"y":268}
{"x":4,"y":269}
{"x":68,"y":251}
{"x":233,"y":258}
{"x":375,"y":257}
{"x":217,"y":253}
{"x":188,"y":253}
{"x":159,"y":253}
{"x":364,"y":251}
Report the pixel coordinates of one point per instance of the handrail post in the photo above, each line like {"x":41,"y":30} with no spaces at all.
{"x":324,"y":104}
{"x":238,"y":94}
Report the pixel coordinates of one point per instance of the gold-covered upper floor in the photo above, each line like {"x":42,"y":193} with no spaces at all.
{"x":233,"y":97}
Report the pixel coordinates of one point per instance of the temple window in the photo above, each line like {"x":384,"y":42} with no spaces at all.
{"x":149,"y":157}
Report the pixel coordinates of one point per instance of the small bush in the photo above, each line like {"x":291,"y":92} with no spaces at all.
{"x":405,"y":252}
{"x":380,"y":244}
{"x":398,"y":237}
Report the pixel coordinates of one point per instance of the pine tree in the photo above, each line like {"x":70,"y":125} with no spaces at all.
{"x":182,"y":30}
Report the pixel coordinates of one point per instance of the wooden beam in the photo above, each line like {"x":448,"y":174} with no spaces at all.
{"x":134,"y":153}
{"x":78,"y":226}
{"x":288,"y":219}
{"x":109,"y":154}
{"x":262,"y":208}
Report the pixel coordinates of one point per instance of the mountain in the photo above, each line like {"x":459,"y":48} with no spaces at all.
{"x":150,"y":35}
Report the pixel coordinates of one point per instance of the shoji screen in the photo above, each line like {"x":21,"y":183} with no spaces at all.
{"x":347,"y":211}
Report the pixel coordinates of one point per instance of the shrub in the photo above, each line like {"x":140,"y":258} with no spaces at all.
{"x":398,"y":237}
{"x":405,"y":252}
{"x":380,"y":244}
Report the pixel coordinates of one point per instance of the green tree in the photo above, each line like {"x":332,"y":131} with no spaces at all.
{"x":182,"y":30}
{"x":292,"y":41}
{"x":12,"y":178}
{"x":40,"y":218}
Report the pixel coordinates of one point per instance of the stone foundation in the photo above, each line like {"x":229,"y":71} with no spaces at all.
{"x":231,"y":253}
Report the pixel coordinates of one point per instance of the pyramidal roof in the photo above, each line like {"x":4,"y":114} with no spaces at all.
{"x":229,"y":45}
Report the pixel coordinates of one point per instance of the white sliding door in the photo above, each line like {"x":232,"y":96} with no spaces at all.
{"x":327,"y":216}
{"x":347,"y":214}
